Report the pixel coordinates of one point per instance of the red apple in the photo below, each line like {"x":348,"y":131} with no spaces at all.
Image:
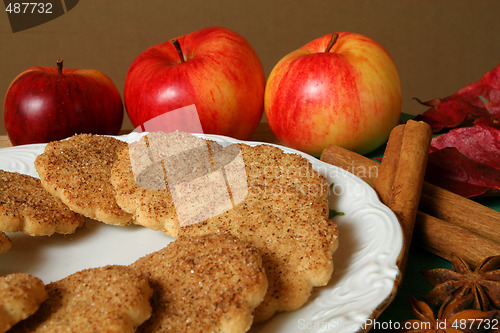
{"x":341,"y":88}
{"x":215,"y":69}
{"x":44,"y":104}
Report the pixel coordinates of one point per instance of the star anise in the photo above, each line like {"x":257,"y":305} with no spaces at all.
{"x":483,"y":282}
{"x":454,"y":316}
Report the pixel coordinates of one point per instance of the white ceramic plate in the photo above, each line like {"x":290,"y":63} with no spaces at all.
{"x":365,"y":276}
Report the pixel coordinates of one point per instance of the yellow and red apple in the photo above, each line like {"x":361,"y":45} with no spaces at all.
{"x":214,"y":68}
{"x":44,"y":104}
{"x":341,"y":88}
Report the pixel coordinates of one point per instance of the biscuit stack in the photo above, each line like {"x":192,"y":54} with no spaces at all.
{"x":251,"y":226}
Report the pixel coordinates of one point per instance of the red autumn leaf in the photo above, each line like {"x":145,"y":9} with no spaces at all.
{"x":479,"y":143}
{"x":449,"y":113}
{"x":485,"y":93}
{"x":450,"y":169}
{"x":478,"y":99}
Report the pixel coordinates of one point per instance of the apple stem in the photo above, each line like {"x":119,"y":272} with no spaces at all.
{"x":178,"y":49}
{"x":59,"y":63}
{"x":332,"y":42}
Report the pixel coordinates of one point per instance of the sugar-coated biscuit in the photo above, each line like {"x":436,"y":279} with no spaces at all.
{"x":20,"y":296}
{"x":77,"y":171}
{"x":146,"y":171}
{"x":105,"y":299}
{"x":285,"y":216}
{"x":210,"y":283}
{"x":5,"y":243}
{"x":271,"y":168}
{"x":26,"y":206}
{"x":295,"y":239}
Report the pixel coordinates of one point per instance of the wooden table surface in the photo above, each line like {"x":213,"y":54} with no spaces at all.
{"x":263,"y":133}
{"x":4,"y":141}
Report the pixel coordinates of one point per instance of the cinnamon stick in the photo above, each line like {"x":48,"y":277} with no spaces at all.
{"x":466,"y":219}
{"x":461,"y":211}
{"x":384,"y":184}
{"x":443,"y":239}
{"x":401,"y":176}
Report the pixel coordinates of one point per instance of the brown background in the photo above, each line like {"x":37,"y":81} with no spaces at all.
{"x":438,"y":46}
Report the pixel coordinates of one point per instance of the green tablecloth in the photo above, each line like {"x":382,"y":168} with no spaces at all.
{"x":413,"y":283}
